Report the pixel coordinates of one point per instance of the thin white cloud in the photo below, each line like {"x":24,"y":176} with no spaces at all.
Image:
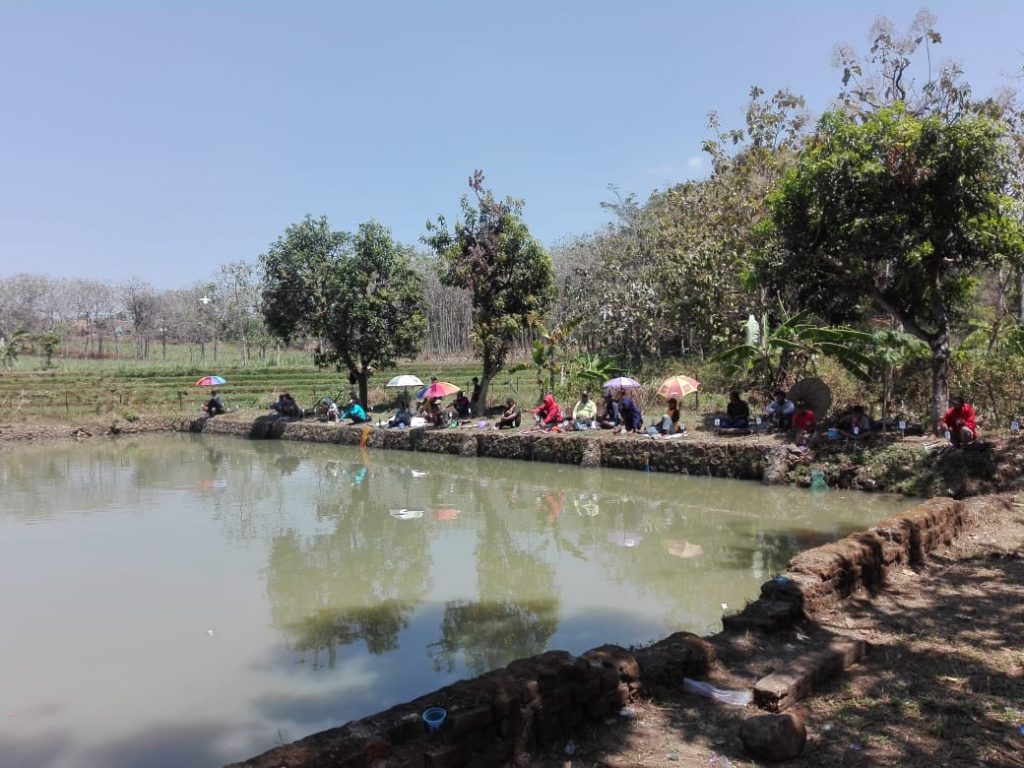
{"x":660,"y":170}
{"x":695,"y":162}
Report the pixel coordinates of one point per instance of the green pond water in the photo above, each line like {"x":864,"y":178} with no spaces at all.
{"x":191,"y":601}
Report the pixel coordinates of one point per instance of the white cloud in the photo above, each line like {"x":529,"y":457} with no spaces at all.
{"x":695,"y":162}
{"x":660,"y":170}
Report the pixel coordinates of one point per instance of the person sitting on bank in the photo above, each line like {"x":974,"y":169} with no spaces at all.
{"x":354,"y":412}
{"x":215,"y":405}
{"x":402,"y":417}
{"x":433,"y":412}
{"x":960,"y":422}
{"x":584,"y":412}
{"x":287,"y":407}
{"x":670,"y":423}
{"x":780,"y":411}
{"x":855,"y":424}
{"x":611,"y":417}
{"x":510,"y":417}
{"x":804,"y":421}
{"x":632,"y":416}
{"x":547,"y":415}
{"x":737,"y":413}
{"x":462,"y":407}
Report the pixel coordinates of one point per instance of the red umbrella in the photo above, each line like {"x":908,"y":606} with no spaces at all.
{"x":440,"y":389}
{"x":678,"y":387}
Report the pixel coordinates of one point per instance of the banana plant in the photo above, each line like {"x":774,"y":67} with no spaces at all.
{"x":592,"y":370}
{"x":796,"y":340}
{"x":10,"y":346}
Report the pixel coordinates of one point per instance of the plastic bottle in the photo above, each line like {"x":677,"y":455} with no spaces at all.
{"x":736,"y":698}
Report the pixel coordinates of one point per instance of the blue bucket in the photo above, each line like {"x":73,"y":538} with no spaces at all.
{"x":434,"y":717}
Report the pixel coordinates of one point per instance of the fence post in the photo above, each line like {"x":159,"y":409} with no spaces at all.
{"x":67,"y":406}
{"x":179,"y":400}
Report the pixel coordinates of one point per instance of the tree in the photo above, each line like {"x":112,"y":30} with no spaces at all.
{"x":492,"y":254}
{"x":898,"y":212}
{"x":358,"y":296}
{"x":894,"y":71}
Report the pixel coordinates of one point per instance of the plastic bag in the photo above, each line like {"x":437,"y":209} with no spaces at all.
{"x":708,"y":691}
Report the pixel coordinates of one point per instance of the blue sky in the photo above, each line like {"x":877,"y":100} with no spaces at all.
{"x":161,"y":139}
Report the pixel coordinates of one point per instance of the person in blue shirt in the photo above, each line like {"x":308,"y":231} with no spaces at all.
{"x":632,"y":418}
{"x":781,"y":410}
{"x":355,"y":412}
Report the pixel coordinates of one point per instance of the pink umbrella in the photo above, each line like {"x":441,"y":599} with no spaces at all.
{"x":211,"y":381}
{"x":439,"y":389}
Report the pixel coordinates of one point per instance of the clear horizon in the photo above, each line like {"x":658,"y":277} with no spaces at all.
{"x":158,"y":143}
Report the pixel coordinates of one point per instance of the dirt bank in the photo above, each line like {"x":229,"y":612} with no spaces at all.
{"x":31,"y":432}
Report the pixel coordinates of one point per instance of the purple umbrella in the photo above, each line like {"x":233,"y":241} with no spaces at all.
{"x":622,"y":382}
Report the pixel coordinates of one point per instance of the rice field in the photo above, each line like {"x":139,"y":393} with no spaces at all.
{"x":89,"y":389}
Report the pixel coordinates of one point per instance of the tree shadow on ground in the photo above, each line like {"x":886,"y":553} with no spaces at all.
{"x":943,"y":683}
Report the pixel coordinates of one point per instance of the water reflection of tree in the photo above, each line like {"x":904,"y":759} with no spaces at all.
{"x":361,"y":581}
{"x":516,"y":612}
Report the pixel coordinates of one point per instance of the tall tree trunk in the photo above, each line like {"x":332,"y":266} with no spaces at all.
{"x":491,"y":369}
{"x":361,"y":380}
{"x":940,"y":375}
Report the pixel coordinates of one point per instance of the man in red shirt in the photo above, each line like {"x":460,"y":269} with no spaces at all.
{"x":959,"y":422}
{"x":804,"y":422}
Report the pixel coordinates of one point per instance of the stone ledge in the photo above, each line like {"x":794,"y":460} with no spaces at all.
{"x":531,"y":703}
{"x":781,"y":689}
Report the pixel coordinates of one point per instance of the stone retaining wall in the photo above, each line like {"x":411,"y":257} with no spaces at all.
{"x":530,"y":704}
{"x":818,"y":578}
{"x":737,"y":460}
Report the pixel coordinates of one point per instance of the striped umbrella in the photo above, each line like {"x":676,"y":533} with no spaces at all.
{"x":678,"y":387}
{"x":211,"y":381}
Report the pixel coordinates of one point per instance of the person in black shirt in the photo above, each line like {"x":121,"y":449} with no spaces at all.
{"x":737,"y":413}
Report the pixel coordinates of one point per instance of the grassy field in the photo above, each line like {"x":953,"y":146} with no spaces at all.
{"x":90,"y":389}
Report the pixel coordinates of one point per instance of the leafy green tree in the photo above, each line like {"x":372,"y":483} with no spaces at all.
{"x":49,"y":342}
{"x":357,"y":295}
{"x":899,"y":213}
{"x":508,"y":273}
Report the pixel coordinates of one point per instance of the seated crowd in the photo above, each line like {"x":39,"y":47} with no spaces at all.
{"x":623,"y":415}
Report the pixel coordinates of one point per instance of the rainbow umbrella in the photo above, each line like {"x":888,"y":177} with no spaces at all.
{"x":438,"y":389}
{"x":678,"y":387}
{"x":211,"y":381}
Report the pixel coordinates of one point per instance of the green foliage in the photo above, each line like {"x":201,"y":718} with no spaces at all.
{"x":592,"y":370}
{"x":793,"y":344}
{"x":48,"y":342}
{"x":508,"y":274}
{"x":10,"y":347}
{"x":358,"y":295}
{"x":899,"y":212}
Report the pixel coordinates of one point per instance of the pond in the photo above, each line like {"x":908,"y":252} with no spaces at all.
{"x":189,"y":600}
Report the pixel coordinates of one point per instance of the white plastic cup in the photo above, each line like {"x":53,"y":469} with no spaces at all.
{"x":1015,"y":426}
{"x":718,"y":422}
{"x":946,"y":433}
{"x":903,"y":426}
{"x":856,"y":431}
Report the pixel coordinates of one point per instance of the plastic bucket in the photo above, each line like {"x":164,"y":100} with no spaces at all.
{"x":434,"y":717}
